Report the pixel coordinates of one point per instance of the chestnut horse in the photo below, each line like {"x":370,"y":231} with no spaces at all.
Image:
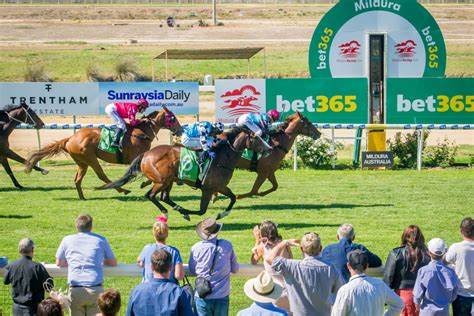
{"x":161,"y":164}
{"x":10,"y":117}
{"x":83,"y":146}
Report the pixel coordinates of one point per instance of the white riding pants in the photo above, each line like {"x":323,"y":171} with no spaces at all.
{"x":111,"y":111}
{"x":250,"y":125}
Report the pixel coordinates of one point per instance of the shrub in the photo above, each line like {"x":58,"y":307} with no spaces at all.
{"x":94,"y":74}
{"x":35,"y":72}
{"x":316,"y":154}
{"x":405,"y":148}
{"x":441,"y":155}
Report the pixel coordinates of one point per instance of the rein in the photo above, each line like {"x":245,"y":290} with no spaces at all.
{"x":28,"y":116}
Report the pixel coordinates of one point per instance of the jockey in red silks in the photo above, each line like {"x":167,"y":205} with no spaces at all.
{"x":119,"y":111}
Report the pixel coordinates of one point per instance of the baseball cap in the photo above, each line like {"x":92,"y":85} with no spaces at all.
{"x":437,"y":246}
{"x":358,"y":259}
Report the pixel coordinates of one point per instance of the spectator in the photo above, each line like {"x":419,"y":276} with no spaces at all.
{"x":336,"y":254}
{"x":26,"y":278}
{"x":83,"y":254}
{"x":160,"y":232}
{"x":266,"y":238}
{"x":364,"y":295}
{"x":49,"y":307}
{"x":403,"y":264}
{"x":461,"y":255}
{"x":436,"y":284}
{"x":159,"y":296}
{"x":200,"y":262}
{"x":264,"y":293}
{"x":109,"y":303}
{"x":311,"y":283}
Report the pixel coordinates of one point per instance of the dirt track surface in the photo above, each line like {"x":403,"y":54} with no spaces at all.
{"x":248,"y":24}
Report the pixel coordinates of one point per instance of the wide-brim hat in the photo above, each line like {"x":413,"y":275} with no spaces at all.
{"x":208,"y":229}
{"x":262,"y":289}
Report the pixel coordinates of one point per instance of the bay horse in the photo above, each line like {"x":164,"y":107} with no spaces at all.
{"x":83,"y":146}
{"x":10,"y":117}
{"x":160,"y":165}
{"x":282,"y":142}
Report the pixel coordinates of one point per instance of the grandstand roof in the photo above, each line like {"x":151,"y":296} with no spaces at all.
{"x":206,"y":54}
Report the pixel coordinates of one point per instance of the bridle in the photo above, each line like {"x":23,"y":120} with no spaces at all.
{"x":28,"y":116}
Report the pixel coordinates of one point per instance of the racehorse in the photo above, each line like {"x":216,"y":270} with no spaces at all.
{"x":160,"y":165}
{"x":83,"y":146}
{"x":10,"y":117}
{"x":282,"y":141}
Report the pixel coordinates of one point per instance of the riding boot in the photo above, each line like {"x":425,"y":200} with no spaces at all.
{"x":118,"y":137}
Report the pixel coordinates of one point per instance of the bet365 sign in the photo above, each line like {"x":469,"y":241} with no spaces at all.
{"x":430,"y":100}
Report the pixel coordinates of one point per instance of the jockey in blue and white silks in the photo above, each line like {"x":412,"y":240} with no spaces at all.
{"x":202,"y":136}
{"x":259,"y":123}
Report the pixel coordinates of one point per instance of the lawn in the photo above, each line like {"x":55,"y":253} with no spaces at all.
{"x":69,"y":62}
{"x":379,"y":203}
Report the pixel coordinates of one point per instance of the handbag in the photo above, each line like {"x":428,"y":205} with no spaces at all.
{"x":202,"y":284}
{"x":188,"y":288}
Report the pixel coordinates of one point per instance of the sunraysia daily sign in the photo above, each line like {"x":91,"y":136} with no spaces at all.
{"x":414,"y":42}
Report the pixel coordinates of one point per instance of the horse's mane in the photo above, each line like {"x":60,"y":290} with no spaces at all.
{"x":10,"y":107}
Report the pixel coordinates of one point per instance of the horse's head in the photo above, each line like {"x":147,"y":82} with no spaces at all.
{"x":165,"y":118}
{"x":24,"y":114}
{"x":299,"y":124}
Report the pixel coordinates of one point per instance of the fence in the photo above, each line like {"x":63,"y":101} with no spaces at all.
{"x":125,"y":276}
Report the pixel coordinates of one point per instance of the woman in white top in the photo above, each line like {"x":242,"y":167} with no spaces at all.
{"x":266,"y":238}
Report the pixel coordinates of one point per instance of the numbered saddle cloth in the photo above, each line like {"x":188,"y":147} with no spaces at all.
{"x":107,"y":136}
{"x":189,"y":166}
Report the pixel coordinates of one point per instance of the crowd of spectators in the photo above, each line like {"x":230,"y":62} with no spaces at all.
{"x":419,"y":278}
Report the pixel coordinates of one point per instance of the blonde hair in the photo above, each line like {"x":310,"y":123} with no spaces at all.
{"x":160,"y":231}
{"x":311,"y":244}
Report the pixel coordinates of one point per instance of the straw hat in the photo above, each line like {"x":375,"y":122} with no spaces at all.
{"x":208,"y":229}
{"x":262,"y":289}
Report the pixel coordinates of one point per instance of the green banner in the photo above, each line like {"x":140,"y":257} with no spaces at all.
{"x":325,"y":100}
{"x":430,"y":101}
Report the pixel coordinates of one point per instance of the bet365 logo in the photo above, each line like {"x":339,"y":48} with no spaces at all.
{"x":439,"y":103}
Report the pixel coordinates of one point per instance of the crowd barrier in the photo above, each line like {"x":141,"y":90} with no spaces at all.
{"x":133,"y":270}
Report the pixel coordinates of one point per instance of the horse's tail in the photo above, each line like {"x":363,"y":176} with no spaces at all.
{"x":46,"y":152}
{"x":130,"y":174}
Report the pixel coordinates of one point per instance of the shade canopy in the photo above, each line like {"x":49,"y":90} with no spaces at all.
{"x":206,"y":54}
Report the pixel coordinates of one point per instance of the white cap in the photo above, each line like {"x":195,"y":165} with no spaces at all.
{"x":437,"y":246}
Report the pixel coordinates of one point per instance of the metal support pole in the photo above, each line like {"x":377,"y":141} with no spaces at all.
{"x":295,"y":155}
{"x":74,"y":121}
{"x":248,"y":68}
{"x":214,"y":12}
{"x":166,"y":65}
{"x":419,"y":150}
{"x":153,"y":70}
{"x":39,"y":142}
{"x":333,"y":148}
{"x":265,"y":62}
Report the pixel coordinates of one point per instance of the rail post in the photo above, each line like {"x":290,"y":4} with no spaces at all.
{"x":419,"y":151}
{"x":295,"y":155}
{"x":74,"y":121}
{"x":333,"y":148}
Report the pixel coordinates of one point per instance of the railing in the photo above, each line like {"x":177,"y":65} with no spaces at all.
{"x":133,"y":270}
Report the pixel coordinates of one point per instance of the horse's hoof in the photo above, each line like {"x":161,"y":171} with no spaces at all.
{"x":44,"y":172}
{"x":125,"y":192}
{"x":186,"y":217}
{"x":19,"y":187}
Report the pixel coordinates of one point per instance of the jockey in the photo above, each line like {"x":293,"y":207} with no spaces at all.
{"x":119,"y":111}
{"x":202,"y":136}
{"x":259,"y":123}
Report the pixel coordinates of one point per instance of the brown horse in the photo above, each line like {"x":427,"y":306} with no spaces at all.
{"x":10,"y":118}
{"x":83,"y":146}
{"x":282,"y":140}
{"x":161,"y":164}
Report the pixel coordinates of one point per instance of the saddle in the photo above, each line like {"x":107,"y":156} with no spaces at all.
{"x":107,"y":136}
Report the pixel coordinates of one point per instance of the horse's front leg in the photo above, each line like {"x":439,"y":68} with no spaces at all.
{"x":256,"y":186}
{"x":227,"y":192}
{"x":6,"y":166}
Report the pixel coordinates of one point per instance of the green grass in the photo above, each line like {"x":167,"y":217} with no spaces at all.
{"x":69,"y":62}
{"x":379,"y":203}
